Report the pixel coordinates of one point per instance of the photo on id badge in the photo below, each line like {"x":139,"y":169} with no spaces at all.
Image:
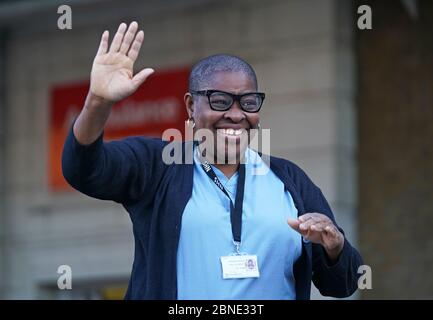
{"x":250,"y":264}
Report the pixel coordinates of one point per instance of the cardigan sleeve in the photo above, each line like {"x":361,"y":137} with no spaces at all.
{"x":341,"y":278}
{"x":121,"y":171}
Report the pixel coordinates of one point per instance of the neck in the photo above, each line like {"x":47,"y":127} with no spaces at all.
{"x":228,"y":169}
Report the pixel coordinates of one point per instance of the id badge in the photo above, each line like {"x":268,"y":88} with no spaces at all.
{"x":240,"y":266}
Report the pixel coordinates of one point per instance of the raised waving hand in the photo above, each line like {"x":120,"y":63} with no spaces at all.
{"x":111,"y":80}
{"x":112,"y":77}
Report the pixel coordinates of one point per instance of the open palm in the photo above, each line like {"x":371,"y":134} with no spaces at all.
{"x":112,"y":77}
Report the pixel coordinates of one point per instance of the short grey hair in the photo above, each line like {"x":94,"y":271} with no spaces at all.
{"x":203,"y":71}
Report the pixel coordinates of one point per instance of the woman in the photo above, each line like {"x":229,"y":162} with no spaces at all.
{"x":211,"y":229}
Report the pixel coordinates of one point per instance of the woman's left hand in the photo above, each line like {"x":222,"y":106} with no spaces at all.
{"x":318,"y":228}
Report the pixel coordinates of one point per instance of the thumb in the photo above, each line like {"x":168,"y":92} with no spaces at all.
{"x":140,"y":77}
{"x":294,"y":224}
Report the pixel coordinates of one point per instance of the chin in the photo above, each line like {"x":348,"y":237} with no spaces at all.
{"x":231,"y":153}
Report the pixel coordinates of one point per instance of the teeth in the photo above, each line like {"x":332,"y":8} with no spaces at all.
{"x":231,"y":132}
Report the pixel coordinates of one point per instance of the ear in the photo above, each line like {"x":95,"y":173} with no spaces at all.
{"x":189,"y":104}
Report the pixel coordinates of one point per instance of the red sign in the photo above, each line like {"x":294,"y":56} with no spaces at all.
{"x":156,"y":106}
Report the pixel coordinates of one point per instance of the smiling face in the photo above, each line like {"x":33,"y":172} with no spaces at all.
{"x":230,"y":129}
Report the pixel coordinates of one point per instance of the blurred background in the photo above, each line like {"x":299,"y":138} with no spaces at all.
{"x":353,"y":108}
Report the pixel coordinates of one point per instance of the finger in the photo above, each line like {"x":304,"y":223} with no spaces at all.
{"x":140,"y":77}
{"x":103,"y":45}
{"x":293,"y":223}
{"x":319,"y":227}
{"x":306,"y":225}
{"x":117,"y":40}
{"x":315,"y":216}
{"x":321,"y":217}
{"x":129,"y":36}
{"x":305,"y":217}
{"x":332,"y":230}
{"x":136,"y":46}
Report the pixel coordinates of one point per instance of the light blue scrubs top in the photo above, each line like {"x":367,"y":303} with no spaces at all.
{"x":206,"y":235}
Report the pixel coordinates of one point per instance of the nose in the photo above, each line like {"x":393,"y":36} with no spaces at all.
{"x":235,"y":113}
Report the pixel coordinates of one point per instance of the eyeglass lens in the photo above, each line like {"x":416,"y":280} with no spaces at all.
{"x":223,"y":101}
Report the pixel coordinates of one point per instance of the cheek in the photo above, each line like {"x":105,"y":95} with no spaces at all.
{"x":253,"y":119}
{"x":206,"y":118}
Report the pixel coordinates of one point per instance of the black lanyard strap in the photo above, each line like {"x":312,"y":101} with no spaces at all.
{"x":236,"y":210}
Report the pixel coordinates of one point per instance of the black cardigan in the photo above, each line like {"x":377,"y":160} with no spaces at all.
{"x":131,"y":172}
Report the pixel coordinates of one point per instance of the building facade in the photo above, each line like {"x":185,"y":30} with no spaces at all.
{"x":302,"y":51}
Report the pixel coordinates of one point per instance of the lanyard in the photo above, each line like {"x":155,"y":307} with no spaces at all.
{"x":236,"y":210}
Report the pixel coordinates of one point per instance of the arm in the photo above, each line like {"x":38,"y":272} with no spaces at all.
{"x":122,"y":171}
{"x":335,"y":261}
{"x":112,"y":170}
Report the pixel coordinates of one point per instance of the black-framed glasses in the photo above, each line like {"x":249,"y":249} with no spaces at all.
{"x":223,"y":101}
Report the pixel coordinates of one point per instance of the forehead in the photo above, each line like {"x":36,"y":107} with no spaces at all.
{"x":231,"y":81}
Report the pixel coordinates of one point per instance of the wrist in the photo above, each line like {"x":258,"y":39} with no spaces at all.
{"x":95,"y":101}
{"x":90,"y":124}
{"x":334,"y":252}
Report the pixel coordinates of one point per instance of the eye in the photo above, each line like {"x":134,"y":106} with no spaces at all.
{"x":219,"y":101}
{"x":249,"y":102}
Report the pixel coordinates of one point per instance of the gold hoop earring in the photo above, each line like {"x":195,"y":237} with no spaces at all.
{"x":189,"y":122}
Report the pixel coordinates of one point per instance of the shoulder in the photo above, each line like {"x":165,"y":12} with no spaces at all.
{"x":141,"y":142}
{"x":157,"y":150}
{"x":139,"y":146}
{"x":139,"y":151}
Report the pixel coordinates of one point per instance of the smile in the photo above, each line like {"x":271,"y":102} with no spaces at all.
{"x":231,"y":132}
